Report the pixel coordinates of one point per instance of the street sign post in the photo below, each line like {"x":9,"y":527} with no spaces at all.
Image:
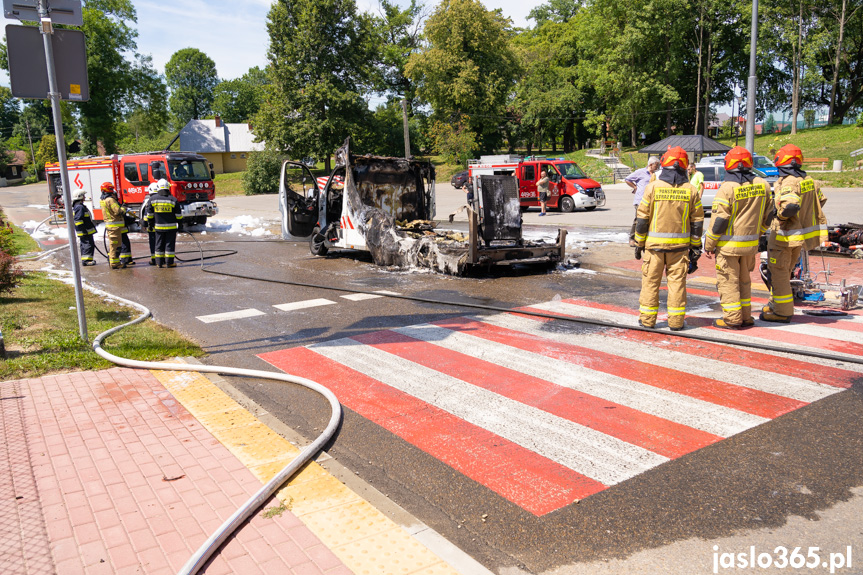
{"x":63,"y":11}
{"x":66,"y":12}
{"x":28,"y":68}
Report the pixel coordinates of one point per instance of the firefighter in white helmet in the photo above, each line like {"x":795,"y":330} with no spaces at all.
{"x":668,"y":230}
{"x":165,"y":213}
{"x":799,"y":224}
{"x":742,"y":210}
{"x":152,"y":189}
{"x":84,"y":227}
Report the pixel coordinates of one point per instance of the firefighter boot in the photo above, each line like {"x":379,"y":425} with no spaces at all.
{"x":749,"y":322}
{"x":775,"y":317}
{"x":720,"y":323}
{"x":152,"y":261}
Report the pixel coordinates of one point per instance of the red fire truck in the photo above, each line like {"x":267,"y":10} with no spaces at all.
{"x":569,"y":188}
{"x":190,"y":176}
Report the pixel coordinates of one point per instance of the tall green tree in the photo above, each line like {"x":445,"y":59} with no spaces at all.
{"x":191,"y":77}
{"x":10,"y":112}
{"x":240,"y":99}
{"x":400,"y":35}
{"x":321,"y":57}
{"x":468,"y":67}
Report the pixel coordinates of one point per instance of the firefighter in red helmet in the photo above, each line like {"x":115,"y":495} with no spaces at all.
{"x":742,"y":210}
{"x":120,"y":250}
{"x":799,"y":224}
{"x":668,"y":230}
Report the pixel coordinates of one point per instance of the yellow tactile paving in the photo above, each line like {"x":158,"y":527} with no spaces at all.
{"x":367,"y":542}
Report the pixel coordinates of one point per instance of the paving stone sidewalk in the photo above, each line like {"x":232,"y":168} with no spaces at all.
{"x":104,"y":472}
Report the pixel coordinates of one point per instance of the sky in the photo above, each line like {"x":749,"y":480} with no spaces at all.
{"x":234,"y":32}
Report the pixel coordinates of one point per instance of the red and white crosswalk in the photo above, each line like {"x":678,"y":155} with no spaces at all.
{"x":545,"y":413}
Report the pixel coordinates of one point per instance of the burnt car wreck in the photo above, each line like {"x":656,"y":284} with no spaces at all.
{"x":386,"y":206}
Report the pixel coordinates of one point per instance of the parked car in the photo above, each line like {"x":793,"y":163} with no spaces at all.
{"x":458,"y":180}
{"x":771,"y":172}
{"x":713,"y":177}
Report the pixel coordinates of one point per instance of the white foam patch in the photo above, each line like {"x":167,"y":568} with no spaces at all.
{"x":241,"y":225}
{"x":38,"y":206}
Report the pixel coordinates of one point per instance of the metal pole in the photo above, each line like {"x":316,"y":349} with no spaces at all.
{"x":32,"y":153}
{"x":751,"y":95}
{"x":47,"y":34}
{"x":407,"y":134}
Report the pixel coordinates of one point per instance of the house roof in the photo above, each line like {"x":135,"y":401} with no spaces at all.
{"x":20,"y":158}
{"x":214,"y":136}
{"x":692,"y":144}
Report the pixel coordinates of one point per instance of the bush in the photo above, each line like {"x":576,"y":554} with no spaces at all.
{"x":860,"y":120}
{"x":10,"y":273}
{"x":262,"y":173}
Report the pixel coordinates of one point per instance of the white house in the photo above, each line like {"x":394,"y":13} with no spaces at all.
{"x":227,"y":146}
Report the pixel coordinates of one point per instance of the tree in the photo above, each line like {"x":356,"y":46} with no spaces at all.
{"x":456,"y":143}
{"x":10,"y":112}
{"x":769,"y":125}
{"x":239,"y":100}
{"x":113,"y":85}
{"x":321,"y":57}
{"x":400,"y":35}
{"x":47,"y":151}
{"x":468,"y":67}
{"x":191,"y":77}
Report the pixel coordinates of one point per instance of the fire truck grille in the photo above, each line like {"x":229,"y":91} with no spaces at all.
{"x":591,"y":191}
{"x":197,"y":197}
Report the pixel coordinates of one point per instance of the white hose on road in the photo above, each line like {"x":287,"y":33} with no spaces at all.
{"x":212,"y":544}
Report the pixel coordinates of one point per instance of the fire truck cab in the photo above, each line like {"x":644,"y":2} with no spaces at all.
{"x":569,"y":186}
{"x":190,"y":176}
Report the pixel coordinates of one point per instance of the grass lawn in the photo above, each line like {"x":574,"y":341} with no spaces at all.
{"x":40,"y":328}
{"x":229,"y":185}
{"x":21,"y":242}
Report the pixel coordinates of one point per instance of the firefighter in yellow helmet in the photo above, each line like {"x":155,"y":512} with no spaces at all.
{"x":742,"y":210}
{"x":668,"y":230}
{"x":799,"y":224}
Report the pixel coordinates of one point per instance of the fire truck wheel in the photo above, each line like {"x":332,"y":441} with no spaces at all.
{"x":316,"y":243}
{"x":566,"y":203}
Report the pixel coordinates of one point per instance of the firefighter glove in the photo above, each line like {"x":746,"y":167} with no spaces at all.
{"x":638,"y":252}
{"x":762,"y":243}
{"x":694,"y":255}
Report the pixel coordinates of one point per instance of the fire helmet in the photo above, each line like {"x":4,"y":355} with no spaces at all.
{"x":107,"y":188}
{"x":152,"y":188}
{"x":675,"y":156}
{"x":738,"y":157}
{"x":787,"y":155}
{"x":163,"y":184}
{"x":79,"y":194}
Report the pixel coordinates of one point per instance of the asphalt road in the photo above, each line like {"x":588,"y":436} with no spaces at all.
{"x":795,"y":481}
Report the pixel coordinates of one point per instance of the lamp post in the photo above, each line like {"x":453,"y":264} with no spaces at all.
{"x":737,"y":118}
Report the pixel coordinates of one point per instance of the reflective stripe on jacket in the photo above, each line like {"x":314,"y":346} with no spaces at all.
{"x":670,"y":218}
{"x":740,"y":215}
{"x":112,"y":213}
{"x":83,"y":220}
{"x":808,"y":226}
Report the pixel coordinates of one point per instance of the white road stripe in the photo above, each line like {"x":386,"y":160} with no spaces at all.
{"x":293,"y":306}
{"x":239,"y":314}
{"x":623,"y":318}
{"x":587,"y":451}
{"x":360,"y":296}
{"x":385,"y":292}
{"x":696,"y":413}
{"x":665,"y":356}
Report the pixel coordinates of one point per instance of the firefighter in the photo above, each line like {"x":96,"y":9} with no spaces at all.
{"x":151,"y":230}
{"x":84,"y":227}
{"x":668,"y":229}
{"x":742,"y":210}
{"x":799,"y":224}
{"x":165,"y":213}
{"x":120,"y":252}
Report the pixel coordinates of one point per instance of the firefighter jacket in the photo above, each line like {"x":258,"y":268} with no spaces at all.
{"x":800,"y":221}
{"x":113,"y":213}
{"x":145,"y":210}
{"x":670,"y":218}
{"x":83,"y":220}
{"x":741,"y":213}
{"x":164,"y":213}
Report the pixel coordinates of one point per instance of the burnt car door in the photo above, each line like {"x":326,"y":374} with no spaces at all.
{"x":298,"y":200}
